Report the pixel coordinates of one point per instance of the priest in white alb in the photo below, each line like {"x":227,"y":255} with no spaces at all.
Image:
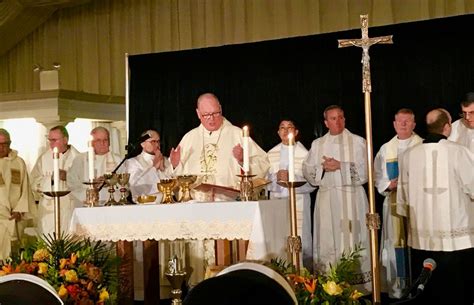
{"x":104,"y":161}
{"x":17,"y":204}
{"x":436,"y":194}
{"x":279,"y":160}
{"x":395,"y":272}
{"x":149,"y":167}
{"x":213,"y":151}
{"x":462,"y":130}
{"x":42,"y":177}
{"x":337,"y":164}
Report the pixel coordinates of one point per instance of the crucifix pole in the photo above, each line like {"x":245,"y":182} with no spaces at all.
{"x":373,"y":219}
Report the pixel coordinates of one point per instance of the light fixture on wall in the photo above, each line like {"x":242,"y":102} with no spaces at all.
{"x":37,"y":68}
{"x":56,"y":65}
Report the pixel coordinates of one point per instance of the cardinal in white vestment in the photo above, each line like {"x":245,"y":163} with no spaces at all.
{"x":41,"y":180}
{"x":394,"y":269}
{"x":279,"y":159}
{"x":337,"y":163}
{"x":462,"y":130}
{"x":16,"y":199}
{"x":214,"y":151}
{"x":104,"y":162}
{"x":436,"y":194}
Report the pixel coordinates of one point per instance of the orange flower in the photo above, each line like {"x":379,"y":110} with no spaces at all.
{"x":73,"y":258}
{"x":62,"y":263}
{"x":62,"y":292}
{"x":310,"y":285}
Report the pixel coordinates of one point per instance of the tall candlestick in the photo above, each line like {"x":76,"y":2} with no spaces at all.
{"x":245,"y":166}
{"x":90,"y":159}
{"x":291,"y":158}
{"x":55,"y":169}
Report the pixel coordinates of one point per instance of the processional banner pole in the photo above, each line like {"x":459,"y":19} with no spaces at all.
{"x":373,"y":219}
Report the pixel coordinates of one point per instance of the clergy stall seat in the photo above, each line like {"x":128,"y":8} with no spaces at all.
{"x":243,"y":284}
{"x":26,"y":289}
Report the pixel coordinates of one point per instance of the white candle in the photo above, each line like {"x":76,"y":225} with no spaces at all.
{"x":245,"y":149}
{"x":55,"y":169}
{"x":291,"y":158}
{"x":90,"y":160}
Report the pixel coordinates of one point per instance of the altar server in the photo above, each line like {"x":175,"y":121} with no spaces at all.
{"x":462,"y":130}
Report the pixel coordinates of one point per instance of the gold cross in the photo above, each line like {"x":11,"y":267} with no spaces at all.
{"x":365,"y":43}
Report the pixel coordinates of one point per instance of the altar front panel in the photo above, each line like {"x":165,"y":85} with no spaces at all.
{"x":264,"y":223}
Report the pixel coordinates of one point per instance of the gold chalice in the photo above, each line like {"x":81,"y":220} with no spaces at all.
{"x":111,"y":180}
{"x":166,"y":186}
{"x":185,"y":182}
{"x":122,"y":179}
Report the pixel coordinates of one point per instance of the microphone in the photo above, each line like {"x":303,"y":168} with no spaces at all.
{"x":429,"y":265}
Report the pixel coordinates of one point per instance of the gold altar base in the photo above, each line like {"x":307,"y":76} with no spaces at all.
{"x":294,"y":240}
{"x":57,"y":212}
{"x":246,"y":187}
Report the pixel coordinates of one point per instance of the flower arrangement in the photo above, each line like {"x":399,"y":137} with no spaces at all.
{"x":81,"y":271}
{"x":324,"y":288}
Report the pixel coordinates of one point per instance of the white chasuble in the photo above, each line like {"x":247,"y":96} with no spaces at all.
{"x":278,"y":157}
{"x":393,"y":249}
{"x":341,"y":202}
{"x":41,"y":177}
{"x":436,"y":193}
{"x":209,"y":156}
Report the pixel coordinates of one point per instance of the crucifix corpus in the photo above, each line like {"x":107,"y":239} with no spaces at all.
{"x":373,"y":219}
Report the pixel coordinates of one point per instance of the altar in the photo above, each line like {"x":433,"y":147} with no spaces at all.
{"x":265,"y":224}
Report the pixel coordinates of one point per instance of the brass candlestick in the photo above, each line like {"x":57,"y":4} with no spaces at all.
{"x":185,"y":182}
{"x":166,"y":186}
{"x":246,"y":187}
{"x":57,"y":212}
{"x":294,"y":240}
{"x":176,"y":276}
{"x":92,"y":194}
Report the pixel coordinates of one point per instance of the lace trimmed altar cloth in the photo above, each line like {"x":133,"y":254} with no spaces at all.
{"x":266,"y":224}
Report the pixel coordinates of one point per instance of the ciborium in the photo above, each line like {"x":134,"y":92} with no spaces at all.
{"x":166,"y":186}
{"x":176,"y":276}
{"x":185,"y":182}
{"x":123,"y":179}
{"x":111,"y":180}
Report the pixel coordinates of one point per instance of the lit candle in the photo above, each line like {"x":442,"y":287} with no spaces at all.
{"x":90,"y":159}
{"x":55,"y":169}
{"x":246,"y":149}
{"x":291,"y":158}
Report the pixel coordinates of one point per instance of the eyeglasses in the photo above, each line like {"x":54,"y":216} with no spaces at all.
{"x":286,"y":128}
{"x":54,"y":140}
{"x":5,"y":143}
{"x":208,"y":116}
{"x":465,"y":114}
{"x":153,"y":141}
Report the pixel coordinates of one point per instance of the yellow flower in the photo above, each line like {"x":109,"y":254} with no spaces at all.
{"x":71,"y":276}
{"x":41,"y":255}
{"x":42,"y":268}
{"x":62,"y":263}
{"x":62,"y":292}
{"x":332,"y":288}
{"x":356,"y":294}
{"x":104,"y":294}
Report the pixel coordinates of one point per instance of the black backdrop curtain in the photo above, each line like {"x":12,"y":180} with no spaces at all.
{"x":429,"y":65}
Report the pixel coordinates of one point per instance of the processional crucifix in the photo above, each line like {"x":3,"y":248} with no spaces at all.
{"x":373,"y":219}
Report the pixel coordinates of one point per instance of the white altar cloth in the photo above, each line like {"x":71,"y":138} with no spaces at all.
{"x":266,"y":224}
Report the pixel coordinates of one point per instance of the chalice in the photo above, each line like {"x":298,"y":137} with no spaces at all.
{"x":111,"y":180}
{"x":122,"y":179}
{"x":166,"y":186}
{"x":185,"y":182}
